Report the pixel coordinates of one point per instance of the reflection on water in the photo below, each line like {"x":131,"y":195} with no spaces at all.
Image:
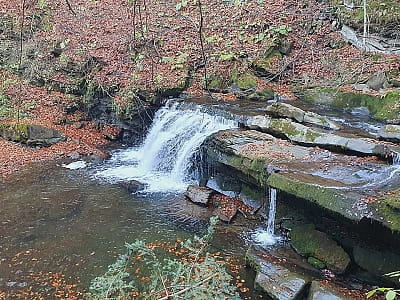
{"x":62,"y":220}
{"x":70,"y":223}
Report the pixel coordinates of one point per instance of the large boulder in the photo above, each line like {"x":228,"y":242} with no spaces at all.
{"x":31,"y":135}
{"x":286,"y":110}
{"x":316,"y":244}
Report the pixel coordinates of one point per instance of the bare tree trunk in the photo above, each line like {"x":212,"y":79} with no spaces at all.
{"x":365,"y":24}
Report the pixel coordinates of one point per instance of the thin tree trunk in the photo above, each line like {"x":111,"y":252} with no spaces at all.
{"x":365,"y":25}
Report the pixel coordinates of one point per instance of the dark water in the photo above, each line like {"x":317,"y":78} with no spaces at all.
{"x":56,"y":220}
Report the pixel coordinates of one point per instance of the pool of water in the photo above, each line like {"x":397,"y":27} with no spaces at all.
{"x":64,"y":222}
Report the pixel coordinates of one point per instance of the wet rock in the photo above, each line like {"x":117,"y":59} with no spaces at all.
{"x":335,"y":183}
{"x":318,"y":291}
{"x":31,"y":135}
{"x":390,"y":133}
{"x":316,"y":244}
{"x":133,"y":186}
{"x":285,"y":110}
{"x":302,"y":134}
{"x":381,"y":108}
{"x":316,"y":262}
{"x":275,"y":280}
{"x":199,"y":194}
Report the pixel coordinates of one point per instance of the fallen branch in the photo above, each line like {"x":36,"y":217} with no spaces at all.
{"x":189,"y":288}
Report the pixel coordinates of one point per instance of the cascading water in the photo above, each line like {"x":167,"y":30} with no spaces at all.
{"x":266,"y":236}
{"x":272,"y":212}
{"x":164,"y":162}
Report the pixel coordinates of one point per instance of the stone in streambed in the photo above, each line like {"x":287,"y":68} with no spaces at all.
{"x":390,"y":133}
{"x":199,"y":194}
{"x":275,"y":280}
{"x":133,"y":186}
{"x":318,"y":291}
{"x":286,"y":110}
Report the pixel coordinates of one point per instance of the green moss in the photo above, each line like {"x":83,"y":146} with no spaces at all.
{"x":316,"y":262}
{"x":247,"y":82}
{"x":218,"y":83}
{"x":263,"y":95}
{"x":324,"y":197}
{"x":390,"y":106}
{"x":252,"y":261}
{"x":389,"y":209}
{"x":14,"y":132}
{"x":387,"y":107}
{"x":290,"y":130}
{"x":316,"y":244}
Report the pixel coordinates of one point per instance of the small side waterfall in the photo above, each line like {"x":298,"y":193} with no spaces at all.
{"x":272,"y":211}
{"x":266,"y":236}
{"x":395,"y":158}
{"x":164,"y":162}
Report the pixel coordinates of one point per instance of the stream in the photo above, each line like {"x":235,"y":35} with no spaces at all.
{"x":70,"y":219}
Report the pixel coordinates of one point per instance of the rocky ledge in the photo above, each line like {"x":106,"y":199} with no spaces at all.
{"x":353,"y":180}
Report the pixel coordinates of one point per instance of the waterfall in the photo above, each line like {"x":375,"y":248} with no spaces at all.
{"x":265,"y":236}
{"x":272,"y":211}
{"x":395,"y":158}
{"x":165,"y":159}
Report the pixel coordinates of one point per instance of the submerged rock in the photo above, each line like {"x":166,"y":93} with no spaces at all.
{"x":31,"y":135}
{"x":133,"y":186}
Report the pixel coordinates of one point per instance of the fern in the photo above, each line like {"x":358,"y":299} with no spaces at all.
{"x":196,"y":275}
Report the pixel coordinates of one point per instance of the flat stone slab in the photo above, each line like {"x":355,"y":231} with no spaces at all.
{"x":305,"y":135}
{"x":276,"y":281}
{"x":339,"y":183}
{"x":390,"y":133}
{"x":285,"y":110}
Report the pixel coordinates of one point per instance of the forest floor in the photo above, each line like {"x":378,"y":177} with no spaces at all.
{"x":152,"y":45}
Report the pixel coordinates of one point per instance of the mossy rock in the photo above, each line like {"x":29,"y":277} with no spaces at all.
{"x":269,"y":65}
{"x":218,"y":84}
{"x":14,"y":132}
{"x":385,"y":108}
{"x":32,"y":135}
{"x":388,"y":207}
{"x":264,"y":95}
{"x":316,"y":244}
{"x":325,"y":198}
{"x":246,"y":82}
